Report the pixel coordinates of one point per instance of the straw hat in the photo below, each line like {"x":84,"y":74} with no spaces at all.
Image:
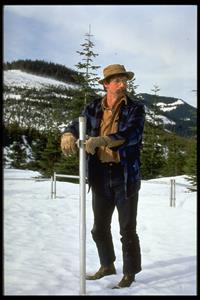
{"x":114,"y":70}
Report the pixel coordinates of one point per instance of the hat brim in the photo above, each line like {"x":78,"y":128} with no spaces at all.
{"x":129,"y":75}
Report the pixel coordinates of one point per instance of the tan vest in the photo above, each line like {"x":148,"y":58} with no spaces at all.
{"x":109,"y":124}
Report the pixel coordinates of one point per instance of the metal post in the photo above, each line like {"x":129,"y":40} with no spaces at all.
{"x":54,"y":185}
{"x":51,"y":187}
{"x":172,"y":193}
{"x":82,"y":194}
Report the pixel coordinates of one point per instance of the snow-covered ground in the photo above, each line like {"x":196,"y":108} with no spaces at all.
{"x":41,"y":239}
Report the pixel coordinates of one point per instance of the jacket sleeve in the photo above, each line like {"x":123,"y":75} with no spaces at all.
{"x":73,"y":127}
{"x":131,"y":127}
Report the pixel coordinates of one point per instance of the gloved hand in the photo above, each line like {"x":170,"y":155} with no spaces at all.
{"x":93,"y":142}
{"x":68,"y":143}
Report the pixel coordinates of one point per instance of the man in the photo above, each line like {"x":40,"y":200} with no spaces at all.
{"x":114,"y":125}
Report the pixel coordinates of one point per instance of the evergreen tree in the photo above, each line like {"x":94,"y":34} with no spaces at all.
{"x":38,"y":144}
{"x":131,"y":87}
{"x":50,"y":156}
{"x":86,"y":69}
{"x":155,"y":111}
{"x":17,"y":155}
{"x":152,"y":154}
{"x":176,"y":156}
{"x":77,"y":103}
{"x":68,"y":165}
{"x":190,"y":167}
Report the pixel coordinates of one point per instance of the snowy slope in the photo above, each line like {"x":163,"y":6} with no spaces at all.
{"x":41,"y":240}
{"x":17,"y":78}
{"x":35,"y":101}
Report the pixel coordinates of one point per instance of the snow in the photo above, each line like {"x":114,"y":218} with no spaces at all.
{"x":12,"y":96}
{"x":21,"y":79}
{"x":163,"y":119}
{"x":169,"y":106}
{"x":41,"y":239}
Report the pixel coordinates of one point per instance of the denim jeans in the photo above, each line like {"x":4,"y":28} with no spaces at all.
{"x":107,"y":193}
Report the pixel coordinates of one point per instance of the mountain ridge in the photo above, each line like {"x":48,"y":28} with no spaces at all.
{"x":175,"y":115}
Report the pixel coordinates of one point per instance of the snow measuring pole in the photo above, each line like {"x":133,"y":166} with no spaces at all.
{"x":82,"y":203}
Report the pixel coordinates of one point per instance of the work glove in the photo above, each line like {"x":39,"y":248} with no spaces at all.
{"x":68,"y":143}
{"x":93,"y":142}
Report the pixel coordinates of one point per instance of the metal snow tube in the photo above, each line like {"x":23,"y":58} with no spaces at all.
{"x":82,"y":204}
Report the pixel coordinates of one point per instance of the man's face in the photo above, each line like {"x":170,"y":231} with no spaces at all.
{"x":117,"y":85}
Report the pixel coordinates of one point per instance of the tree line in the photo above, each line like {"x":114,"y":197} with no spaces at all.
{"x":43,"y":68}
{"x":162,"y":154}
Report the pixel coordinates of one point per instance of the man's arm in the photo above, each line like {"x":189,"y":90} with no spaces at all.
{"x":132,"y":127}
{"x":73,"y":128}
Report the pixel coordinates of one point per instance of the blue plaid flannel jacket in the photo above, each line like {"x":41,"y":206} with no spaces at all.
{"x":130,"y":128}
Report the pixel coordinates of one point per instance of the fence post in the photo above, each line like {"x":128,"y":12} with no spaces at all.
{"x":82,"y":207}
{"x":54,"y":184}
{"x":170,"y":198}
{"x":172,"y":192}
{"x":51,"y":187}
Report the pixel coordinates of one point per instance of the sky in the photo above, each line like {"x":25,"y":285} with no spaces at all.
{"x":156,"y":42}
{"x":41,"y":239}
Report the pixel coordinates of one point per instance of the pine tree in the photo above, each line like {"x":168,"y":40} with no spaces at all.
{"x":86,"y":69}
{"x":68,"y":165}
{"x":176,"y":155}
{"x":38,"y":144}
{"x":153,"y":152}
{"x":131,"y":87}
{"x":155,"y":111}
{"x":50,"y":156}
{"x":190,"y":167}
{"x":17,"y":155}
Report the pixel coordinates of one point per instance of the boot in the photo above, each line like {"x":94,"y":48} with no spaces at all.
{"x":126,"y":281}
{"x":103,"y":271}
